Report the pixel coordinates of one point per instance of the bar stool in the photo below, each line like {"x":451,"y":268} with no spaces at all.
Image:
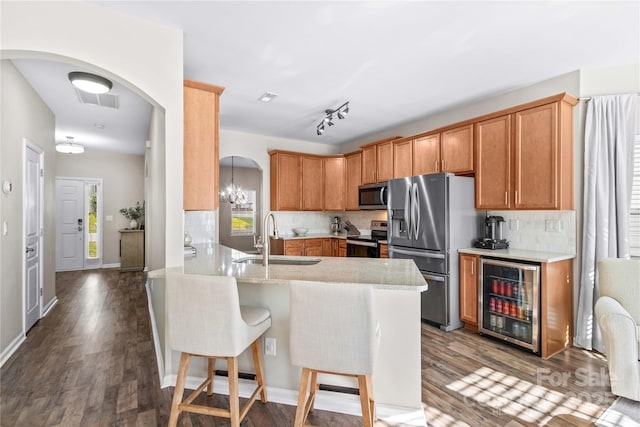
{"x":205,"y":319}
{"x":333,"y":331}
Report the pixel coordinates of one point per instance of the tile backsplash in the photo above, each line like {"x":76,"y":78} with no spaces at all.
{"x":318,"y":222}
{"x":550,"y":231}
{"x":201,"y":226}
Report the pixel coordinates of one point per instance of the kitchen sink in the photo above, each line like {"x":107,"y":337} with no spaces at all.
{"x":279,"y":261}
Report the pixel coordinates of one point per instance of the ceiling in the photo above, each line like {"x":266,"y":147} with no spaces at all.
{"x":393,"y":61}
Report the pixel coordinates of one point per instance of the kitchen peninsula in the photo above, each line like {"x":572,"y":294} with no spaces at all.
{"x":397,"y":285}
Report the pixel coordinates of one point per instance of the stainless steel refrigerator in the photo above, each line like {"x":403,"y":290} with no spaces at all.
{"x":430,"y":218}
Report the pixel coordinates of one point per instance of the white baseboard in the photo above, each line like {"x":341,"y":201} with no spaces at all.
{"x":156,"y":339}
{"x":114,"y":265}
{"x":324,"y":401}
{"x":47,"y":308}
{"x":11,"y":348}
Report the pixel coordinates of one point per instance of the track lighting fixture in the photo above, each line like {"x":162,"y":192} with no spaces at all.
{"x":341,"y":112}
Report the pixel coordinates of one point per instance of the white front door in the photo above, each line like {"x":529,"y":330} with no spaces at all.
{"x":32,"y":228}
{"x":69,"y":224}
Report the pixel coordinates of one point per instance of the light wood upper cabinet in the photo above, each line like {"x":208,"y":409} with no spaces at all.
{"x":201,"y":151}
{"x":456,"y":150}
{"x":402,"y":158}
{"x":524,"y":160}
{"x":353,"y":179}
{"x":377,"y":161}
{"x":312,"y":183}
{"x":334,"y":183}
{"x":426,"y":154}
{"x":469,"y":289}
{"x":286,"y":182}
{"x":493,"y":163}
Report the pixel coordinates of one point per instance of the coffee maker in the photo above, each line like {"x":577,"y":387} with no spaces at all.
{"x":492,"y":234}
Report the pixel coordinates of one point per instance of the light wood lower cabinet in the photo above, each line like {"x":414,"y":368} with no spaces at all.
{"x":469,"y":290}
{"x":309,"y":247}
{"x":342,"y":247}
{"x":384,"y":250}
{"x":131,"y":250}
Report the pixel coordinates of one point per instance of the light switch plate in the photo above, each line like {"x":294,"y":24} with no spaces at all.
{"x":269,"y":346}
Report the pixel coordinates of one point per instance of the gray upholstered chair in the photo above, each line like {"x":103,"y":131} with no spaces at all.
{"x":205,"y":319}
{"x":618,"y":314}
{"x":333,"y":330}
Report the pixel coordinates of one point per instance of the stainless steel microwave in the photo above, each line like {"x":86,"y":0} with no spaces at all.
{"x":373,"y":196}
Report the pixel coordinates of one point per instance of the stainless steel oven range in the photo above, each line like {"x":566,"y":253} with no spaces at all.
{"x":367,"y":246}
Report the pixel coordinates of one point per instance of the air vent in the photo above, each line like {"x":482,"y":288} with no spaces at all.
{"x":103,"y":100}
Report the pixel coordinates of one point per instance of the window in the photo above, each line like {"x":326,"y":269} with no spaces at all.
{"x":634,"y":221}
{"x":243,"y":216}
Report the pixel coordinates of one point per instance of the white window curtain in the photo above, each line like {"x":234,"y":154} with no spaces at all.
{"x":608,"y":175}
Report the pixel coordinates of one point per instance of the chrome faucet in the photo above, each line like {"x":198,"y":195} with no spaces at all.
{"x":267,"y":237}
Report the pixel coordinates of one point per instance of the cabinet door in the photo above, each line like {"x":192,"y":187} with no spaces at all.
{"x":456,"y":149}
{"x":312,"y":186}
{"x":286,"y":189}
{"x":426,"y":154}
{"x":201,"y":162}
{"x":536,"y":158}
{"x":385,"y":161}
{"x":369,"y":164}
{"x":384,"y":250}
{"x":493,"y":163}
{"x":313,"y":247}
{"x":342,"y":247}
{"x":353,"y":166}
{"x":334,"y":183}
{"x":469,"y":289}
{"x":294,"y":247}
{"x":132,"y":250}
{"x":402,"y":154}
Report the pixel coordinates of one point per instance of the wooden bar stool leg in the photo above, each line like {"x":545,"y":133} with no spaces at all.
{"x":302,"y":398}
{"x":210,"y":374}
{"x":234,"y":400}
{"x":372,"y":402}
{"x":257,"y":363}
{"x":365,"y":401}
{"x":312,"y":390}
{"x":179,"y":389}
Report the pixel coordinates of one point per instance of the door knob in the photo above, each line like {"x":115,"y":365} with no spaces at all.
{"x":30,"y":250}
{"x":79,"y":228}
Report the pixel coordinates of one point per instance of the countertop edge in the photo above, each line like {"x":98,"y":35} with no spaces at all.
{"x":519,"y":254}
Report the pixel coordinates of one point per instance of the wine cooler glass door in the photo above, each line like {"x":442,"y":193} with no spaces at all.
{"x":508,"y":301}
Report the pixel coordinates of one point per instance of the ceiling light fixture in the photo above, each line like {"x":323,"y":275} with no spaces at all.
{"x":69,"y":147}
{"x":233,"y":194}
{"x":341,"y":112}
{"x":91,"y":83}
{"x":267,"y":97}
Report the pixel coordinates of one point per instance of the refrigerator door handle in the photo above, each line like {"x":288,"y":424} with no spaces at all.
{"x":407,"y":214}
{"x":432,"y":277}
{"x":416,"y":254}
{"x":416,"y":203}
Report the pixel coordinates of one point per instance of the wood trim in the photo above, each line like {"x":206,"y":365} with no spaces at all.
{"x":381,"y":141}
{"x":564,"y":97}
{"x":556,"y":307}
{"x":204,"y":86}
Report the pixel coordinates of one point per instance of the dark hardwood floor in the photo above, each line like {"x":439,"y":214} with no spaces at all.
{"x":91,"y":362}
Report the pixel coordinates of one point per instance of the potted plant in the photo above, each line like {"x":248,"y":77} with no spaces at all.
{"x":133,"y":214}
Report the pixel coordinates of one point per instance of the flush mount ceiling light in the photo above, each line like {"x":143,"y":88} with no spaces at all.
{"x":69,"y":147}
{"x":267,"y":97}
{"x":91,"y":83}
{"x":341,"y":112}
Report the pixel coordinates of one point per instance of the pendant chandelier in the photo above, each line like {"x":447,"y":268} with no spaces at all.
{"x":233,"y":194}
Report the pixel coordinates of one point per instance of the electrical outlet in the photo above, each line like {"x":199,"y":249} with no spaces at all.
{"x":552,"y":225}
{"x":269,"y":346}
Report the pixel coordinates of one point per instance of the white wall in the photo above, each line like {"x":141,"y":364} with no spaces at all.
{"x":23,"y":115}
{"x":122,"y":186}
{"x":144,"y":56}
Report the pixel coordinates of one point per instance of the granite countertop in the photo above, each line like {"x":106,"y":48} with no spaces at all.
{"x":382,"y":273}
{"x":327,"y":235}
{"x":519,"y":254}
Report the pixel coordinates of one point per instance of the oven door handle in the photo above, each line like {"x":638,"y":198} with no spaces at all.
{"x":369,"y":244}
{"x":417,"y":254}
{"x":432,"y":277}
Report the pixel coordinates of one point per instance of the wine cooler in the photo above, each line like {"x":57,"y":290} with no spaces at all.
{"x":508,"y":302}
